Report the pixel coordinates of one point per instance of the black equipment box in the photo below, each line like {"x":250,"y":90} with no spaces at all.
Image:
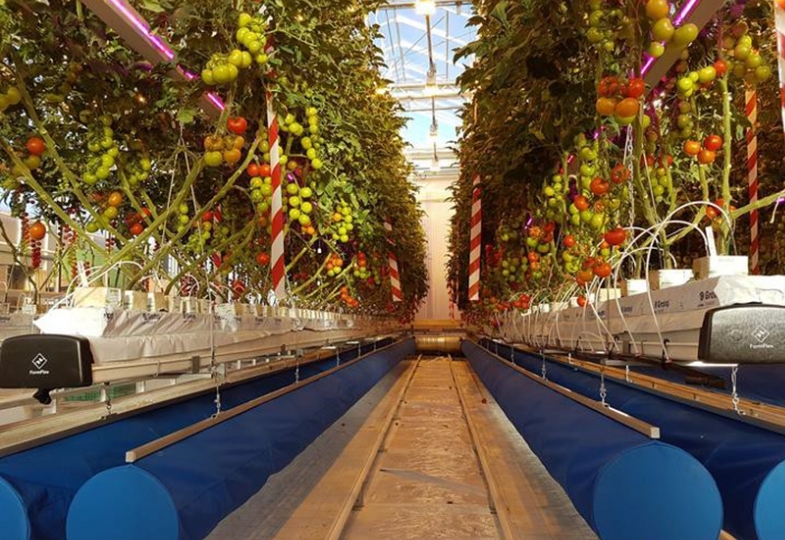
{"x":45,"y":361}
{"x":743,"y":334}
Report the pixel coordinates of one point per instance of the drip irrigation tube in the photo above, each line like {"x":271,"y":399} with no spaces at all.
{"x":623,"y":484}
{"x":38,"y":485}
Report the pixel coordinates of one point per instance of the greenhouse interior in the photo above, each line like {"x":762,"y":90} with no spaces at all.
{"x":392,"y":269}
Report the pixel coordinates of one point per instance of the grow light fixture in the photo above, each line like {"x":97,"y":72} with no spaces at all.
{"x":425,"y":7}
{"x":430,"y":89}
{"x":134,"y":30}
{"x":131,"y":16}
{"x":433,"y":135}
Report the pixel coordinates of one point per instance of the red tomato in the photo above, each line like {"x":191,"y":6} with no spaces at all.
{"x":581,"y":203}
{"x":146,"y":212}
{"x":627,"y":108}
{"x":599,"y":186}
{"x":706,"y":157}
{"x":549,"y":227}
{"x":569,"y":241}
{"x":584,"y":276}
{"x":608,"y":86}
{"x":136,"y":229}
{"x":636,"y":88}
{"x":533,"y":257}
{"x":582,"y":301}
{"x":35,"y":145}
{"x":263,"y":259}
{"x":253,"y":169}
{"x":692,"y":148}
{"x":37,"y":231}
{"x":207,"y":216}
{"x":237,"y":125}
{"x":615,"y":237}
{"x":238,"y":286}
{"x":620,"y":174}
{"x":721,"y":66}
{"x":713,"y":143}
{"x":264,"y":170}
{"x":603,"y":270}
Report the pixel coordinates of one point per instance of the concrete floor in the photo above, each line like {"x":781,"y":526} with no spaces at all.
{"x":426,"y":484}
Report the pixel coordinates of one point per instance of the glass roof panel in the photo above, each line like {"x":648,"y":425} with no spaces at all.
{"x":407,"y":52}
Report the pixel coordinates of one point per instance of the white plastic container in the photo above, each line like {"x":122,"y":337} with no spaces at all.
{"x":721,"y":265}
{"x":663,"y":279}
{"x":630,"y":287}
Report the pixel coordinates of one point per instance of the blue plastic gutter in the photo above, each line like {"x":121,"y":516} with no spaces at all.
{"x":626,"y":486}
{"x":38,"y":485}
{"x":747,"y":461}
{"x":184,"y":490}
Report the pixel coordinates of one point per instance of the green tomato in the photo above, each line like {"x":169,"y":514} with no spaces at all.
{"x":586,"y":216}
{"x":236,"y":58}
{"x":597,"y":221}
{"x":213,"y":159}
{"x":663,"y":30}
{"x":707,"y":75}
{"x":294,"y":214}
{"x":294,"y":201}
{"x":244,"y":19}
{"x":102,"y":173}
{"x":306,"y":192}
{"x":306,"y":208}
{"x":317,"y":164}
{"x":742,"y":52}
{"x":685,"y":34}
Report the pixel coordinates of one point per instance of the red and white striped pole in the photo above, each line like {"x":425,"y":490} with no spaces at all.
{"x":392,"y":260}
{"x":277,"y":262}
{"x":475,"y":243}
{"x":752,"y":166}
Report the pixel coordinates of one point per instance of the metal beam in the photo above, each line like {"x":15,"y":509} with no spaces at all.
{"x":412,"y":5}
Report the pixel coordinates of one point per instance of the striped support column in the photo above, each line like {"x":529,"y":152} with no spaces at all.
{"x":392,"y":260}
{"x":475,"y":244}
{"x":277,"y":262}
{"x":752,"y":166}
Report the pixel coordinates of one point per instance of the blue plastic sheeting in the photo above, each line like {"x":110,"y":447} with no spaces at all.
{"x":37,"y":485}
{"x":747,"y":462}
{"x":183,"y":491}
{"x":626,"y":486}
